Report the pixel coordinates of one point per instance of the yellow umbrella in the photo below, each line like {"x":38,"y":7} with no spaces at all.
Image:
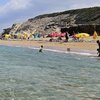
{"x":95,"y":35}
{"x":82,"y":35}
{"x":31,"y":35}
{"x":7,"y":36}
{"x":25,"y":35}
{"x":19,"y":36}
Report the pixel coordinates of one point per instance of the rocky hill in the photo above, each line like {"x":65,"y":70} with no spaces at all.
{"x":55,"y":21}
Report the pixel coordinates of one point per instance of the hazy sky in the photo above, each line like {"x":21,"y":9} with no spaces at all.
{"x":14,"y":11}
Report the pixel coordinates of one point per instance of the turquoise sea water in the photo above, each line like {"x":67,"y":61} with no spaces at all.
{"x":26,"y":74}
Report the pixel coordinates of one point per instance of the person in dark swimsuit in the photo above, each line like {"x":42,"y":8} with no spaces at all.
{"x":41,"y":48}
{"x":98,"y":42}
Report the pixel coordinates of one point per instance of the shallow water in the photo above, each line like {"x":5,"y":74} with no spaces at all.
{"x":26,"y":74}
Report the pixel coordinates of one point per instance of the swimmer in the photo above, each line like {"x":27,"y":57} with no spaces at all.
{"x":41,"y":48}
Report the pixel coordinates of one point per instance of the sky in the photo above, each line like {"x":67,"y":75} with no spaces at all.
{"x":15,"y":11}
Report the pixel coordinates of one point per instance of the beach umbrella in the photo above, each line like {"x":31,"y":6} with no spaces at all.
{"x":95,"y":35}
{"x":82,"y":35}
{"x":63,"y":34}
{"x":7,"y":36}
{"x":26,"y":35}
{"x":56,"y":34}
{"x":19,"y":36}
{"x":31,"y":35}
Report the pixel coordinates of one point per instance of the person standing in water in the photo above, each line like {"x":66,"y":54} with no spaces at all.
{"x":98,"y":42}
{"x":41,"y":48}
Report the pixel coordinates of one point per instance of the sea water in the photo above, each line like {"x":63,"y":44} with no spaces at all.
{"x":26,"y":74}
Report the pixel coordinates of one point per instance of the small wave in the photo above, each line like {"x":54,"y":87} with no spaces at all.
{"x":88,"y":54}
{"x":62,"y":51}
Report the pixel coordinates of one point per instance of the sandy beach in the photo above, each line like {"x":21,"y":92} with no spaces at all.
{"x":74,"y":46}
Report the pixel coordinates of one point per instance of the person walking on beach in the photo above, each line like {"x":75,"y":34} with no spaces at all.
{"x":98,"y":42}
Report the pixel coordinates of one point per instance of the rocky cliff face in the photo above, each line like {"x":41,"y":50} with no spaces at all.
{"x":53,"y":22}
{"x":47,"y":24}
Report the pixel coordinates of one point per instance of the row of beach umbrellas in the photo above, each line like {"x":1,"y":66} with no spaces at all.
{"x":54,"y":34}
{"x":78,"y":35}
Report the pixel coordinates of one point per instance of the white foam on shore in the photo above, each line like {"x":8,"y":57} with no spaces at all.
{"x":63,"y":51}
{"x":88,"y":54}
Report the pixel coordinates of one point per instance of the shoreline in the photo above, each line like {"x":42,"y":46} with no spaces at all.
{"x":84,"y":48}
